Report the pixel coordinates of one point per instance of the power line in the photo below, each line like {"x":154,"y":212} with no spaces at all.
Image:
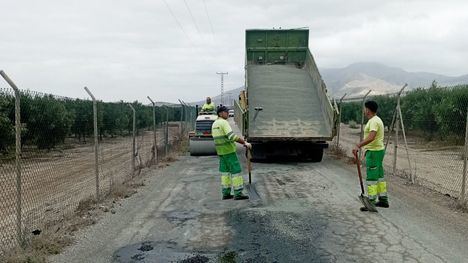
{"x":177,"y":20}
{"x":209,"y":19}
{"x":191,"y":15}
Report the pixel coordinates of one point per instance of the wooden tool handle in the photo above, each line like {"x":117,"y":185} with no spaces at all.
{"x":358,"y":164}
{"x":248,"y":155}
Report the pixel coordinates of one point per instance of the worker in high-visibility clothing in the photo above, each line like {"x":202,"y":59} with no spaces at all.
{"x":208,"y":106}
{"x":229,"y":166}
{"x":373,"y":143}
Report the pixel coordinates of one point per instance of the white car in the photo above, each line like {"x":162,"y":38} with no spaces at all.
{"x":231,"y":113}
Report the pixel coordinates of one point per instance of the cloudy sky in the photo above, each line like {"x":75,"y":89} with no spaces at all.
{"x":171,"y":49}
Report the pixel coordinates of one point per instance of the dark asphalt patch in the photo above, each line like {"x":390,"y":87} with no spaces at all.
{"x":180,"y":217}
{"x":277,"y":236}
{"x":195,"y":259}
{"x":150,"y":251}
{"x":138,"y":257}
{"x":146,"y":246}
{"x":171,"y":252}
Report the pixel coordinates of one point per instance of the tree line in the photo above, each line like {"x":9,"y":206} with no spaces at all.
{"x":435,"y":113}
{"x":48,"y":120}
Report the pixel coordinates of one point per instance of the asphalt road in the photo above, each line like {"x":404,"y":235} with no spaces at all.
{"x":308,"y":212}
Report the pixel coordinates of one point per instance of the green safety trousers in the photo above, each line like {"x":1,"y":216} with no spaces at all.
{"x":230,"y":169}
{"x":376,"y":184}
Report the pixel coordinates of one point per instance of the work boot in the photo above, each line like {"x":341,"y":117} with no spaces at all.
{"x":225,"y":197}
{"x":241,"y":197}
{"x":226,"y":192}
{"x":382,"y":204}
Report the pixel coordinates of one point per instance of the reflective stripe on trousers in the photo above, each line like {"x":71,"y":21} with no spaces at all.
{"x":376,"y":188}
{"x":226,"y":181}
{"x":234,"y":180}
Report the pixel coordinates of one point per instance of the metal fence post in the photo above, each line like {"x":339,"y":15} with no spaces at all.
{"x":155,"y":144}
{"x":395,"y":147}
{"x":166,"y":134}
{"x":406,"y":142}
{"x":465,"y":158}
{"x":193,"y":117}
{"x":182,"y":118}
{"x":187,"y":118}
{"x":397,"y":119}
{"x":96,"y":141}
{"x":361,"y":135}
{"x":339,"y":122}
{"x":19,"y":198}
{"x":190,"y":116}
{"x":133,"y":137}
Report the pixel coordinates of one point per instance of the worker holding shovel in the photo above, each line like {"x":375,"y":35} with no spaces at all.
{"x":229,"y":166}
{"x":373,"y":144}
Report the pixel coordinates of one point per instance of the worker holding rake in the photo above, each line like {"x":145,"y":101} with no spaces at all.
{"x":373,"y":145}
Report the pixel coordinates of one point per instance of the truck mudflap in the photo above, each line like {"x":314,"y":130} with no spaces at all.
{"x":288,"y":151}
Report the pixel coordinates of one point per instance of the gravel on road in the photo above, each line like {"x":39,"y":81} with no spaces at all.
{"x":308,"y":212}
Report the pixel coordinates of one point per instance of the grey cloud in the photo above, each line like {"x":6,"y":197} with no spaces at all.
{"x":131,"y":49}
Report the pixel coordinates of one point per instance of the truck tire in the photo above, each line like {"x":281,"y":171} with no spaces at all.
{"x":258,"y":152}
{"x":317,"y":155}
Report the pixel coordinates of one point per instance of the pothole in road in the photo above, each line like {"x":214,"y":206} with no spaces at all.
{"x":195,"y":259}
{"x":146,"y":246}
{"x":150,"y":251}
{"x":181,"y":216}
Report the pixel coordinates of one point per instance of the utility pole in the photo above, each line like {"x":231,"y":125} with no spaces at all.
{"x":222,"y":85}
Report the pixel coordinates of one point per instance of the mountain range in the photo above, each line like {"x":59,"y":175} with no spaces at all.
{"x":356,"y":79}
{"x":229,"y":96}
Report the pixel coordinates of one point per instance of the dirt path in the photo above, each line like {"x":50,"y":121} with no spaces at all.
{"x":309,"y":212}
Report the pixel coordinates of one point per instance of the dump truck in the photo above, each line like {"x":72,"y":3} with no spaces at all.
{"x":284,"y":110}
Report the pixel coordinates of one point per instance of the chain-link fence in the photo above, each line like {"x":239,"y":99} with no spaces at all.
{"x":426,"y":130}
{"x":49,"y":163}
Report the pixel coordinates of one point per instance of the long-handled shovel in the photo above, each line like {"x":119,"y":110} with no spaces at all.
{"x":364,"y":199}
{"x":250,"y":187}
{"x":248,"y":155}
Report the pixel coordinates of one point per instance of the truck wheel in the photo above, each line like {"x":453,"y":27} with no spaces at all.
{"x":317,"y":155}
{"x":258,"y":152}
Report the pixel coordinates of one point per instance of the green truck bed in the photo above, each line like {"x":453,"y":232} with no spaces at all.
{"x":282,"y":79}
